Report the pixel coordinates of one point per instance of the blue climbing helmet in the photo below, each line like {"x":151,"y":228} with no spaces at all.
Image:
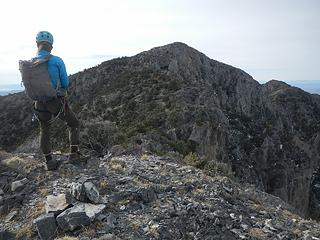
{"x":44,"y":36}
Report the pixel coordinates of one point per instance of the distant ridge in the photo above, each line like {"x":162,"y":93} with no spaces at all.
{"x":311,"y":86}
{"x":10,"y":89}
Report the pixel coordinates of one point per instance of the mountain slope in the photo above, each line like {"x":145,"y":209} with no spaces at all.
{"x":175,"y":100}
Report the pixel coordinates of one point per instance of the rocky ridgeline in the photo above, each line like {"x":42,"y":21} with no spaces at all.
{"x":137,"y":197}
{"x":175,"y":99}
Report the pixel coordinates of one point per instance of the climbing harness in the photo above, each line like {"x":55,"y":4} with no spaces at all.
{"x":62,"y":109}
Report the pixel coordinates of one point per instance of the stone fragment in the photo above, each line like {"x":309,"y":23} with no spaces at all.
{"x":56,"y":204}
{"x":78,"y":216}
{"x":1,"y":192}
{"x":91,"y":192}
{"x":19,"y":185}
{"x":1,"y":200}
{"x":46,"y":226}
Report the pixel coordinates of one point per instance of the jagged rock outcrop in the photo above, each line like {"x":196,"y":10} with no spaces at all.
{"x":175,"y":99}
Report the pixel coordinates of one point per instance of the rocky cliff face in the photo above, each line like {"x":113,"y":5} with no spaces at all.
{"x":175,"y":100}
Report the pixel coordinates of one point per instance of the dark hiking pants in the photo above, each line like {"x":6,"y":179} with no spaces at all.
{"x":45,"y":111}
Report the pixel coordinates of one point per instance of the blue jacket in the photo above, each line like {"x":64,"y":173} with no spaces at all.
{"x":57,"y":71}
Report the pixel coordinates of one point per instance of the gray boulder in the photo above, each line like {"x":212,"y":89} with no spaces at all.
{"x":78,"y":216}
{"x":46,"y":226}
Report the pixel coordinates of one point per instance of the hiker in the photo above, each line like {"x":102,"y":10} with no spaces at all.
{"x":50,"y":97}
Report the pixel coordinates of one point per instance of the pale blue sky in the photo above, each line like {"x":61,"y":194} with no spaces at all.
{"x":269,"y":39}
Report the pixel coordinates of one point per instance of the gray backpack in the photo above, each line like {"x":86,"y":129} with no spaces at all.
{"x":36,"y":79}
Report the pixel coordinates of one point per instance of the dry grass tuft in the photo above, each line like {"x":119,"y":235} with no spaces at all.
{"x":25,"y":231}
{"x":117,"y":165}
{"x":4,"y":155}
{"x":43,"y":192}
{"x":258,"y":233}
{"x":144,"y":157}
{"x":36,"y":211}
{"x":103,"y":184}
{"x":21,"y":164}
{"x":68,"y":238}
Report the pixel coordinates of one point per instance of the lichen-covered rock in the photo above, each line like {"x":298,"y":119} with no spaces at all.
{"x":84,"y":191}
{"x":75,"y":192}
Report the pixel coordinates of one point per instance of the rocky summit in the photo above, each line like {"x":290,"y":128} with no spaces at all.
{"x":175,"y":102}
{"x":139,"y":197}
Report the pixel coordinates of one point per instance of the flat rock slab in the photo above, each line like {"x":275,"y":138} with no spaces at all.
{"x":56,"y":204}
{"x":79,"y":215}
{"x":46,"y":226}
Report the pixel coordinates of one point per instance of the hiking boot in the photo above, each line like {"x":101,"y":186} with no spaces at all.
{"x":77,"y":157}
{"x":52,"y":164}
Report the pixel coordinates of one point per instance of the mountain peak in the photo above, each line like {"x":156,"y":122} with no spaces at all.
{"x":174,"y":100}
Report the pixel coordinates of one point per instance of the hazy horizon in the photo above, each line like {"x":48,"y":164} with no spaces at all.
{"x":311,"y":86}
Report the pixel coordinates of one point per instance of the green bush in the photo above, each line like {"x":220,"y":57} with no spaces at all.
{"x":194,"y":160}
{"x":215,"y":168}
{"x":210,"y":167}
{"x":98,"y":136}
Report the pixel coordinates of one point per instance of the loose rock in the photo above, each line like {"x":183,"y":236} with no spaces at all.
{"x":46,"y":226}
{"x":83,"y":192}
{"x":78,"y":216}
{"x":19,"y":185}
{"x":91,"y":192}
{"x":75,"y":192}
